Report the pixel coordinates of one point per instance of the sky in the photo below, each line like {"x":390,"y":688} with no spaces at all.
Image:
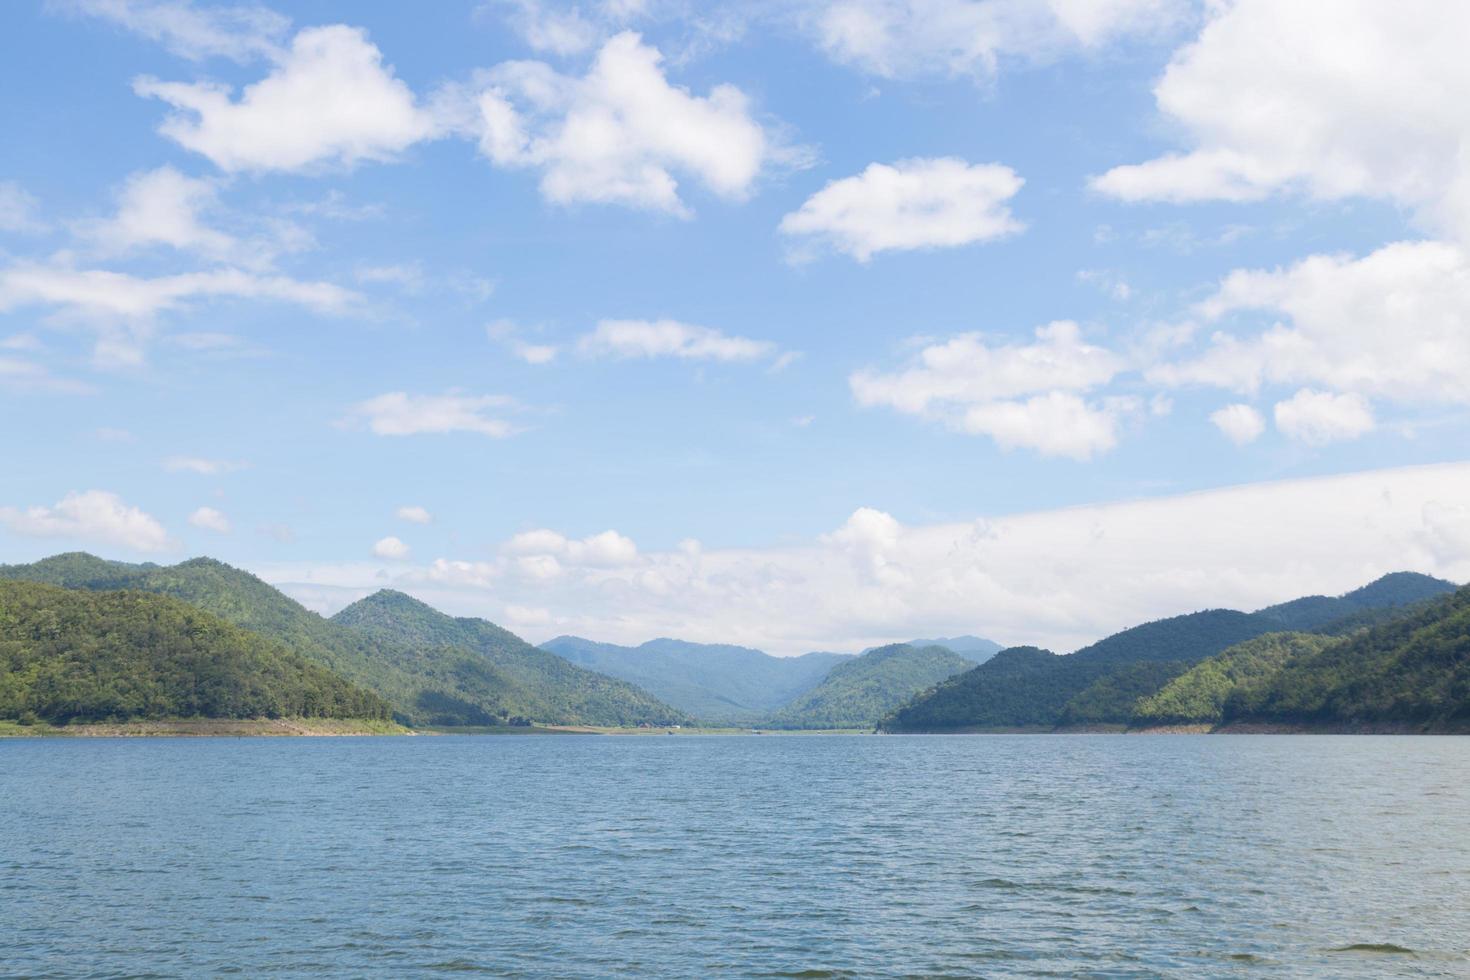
{"x":801,"y":325}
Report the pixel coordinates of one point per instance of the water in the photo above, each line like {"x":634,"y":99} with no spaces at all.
{"x":773,"y":856}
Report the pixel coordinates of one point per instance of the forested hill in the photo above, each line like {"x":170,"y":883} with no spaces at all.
{"x":426,"y":685}
{"x":71,"y":655}
{"x":1102,"y":684}
{"x":544,"y":685}
{"x":857,"y":693}
{"x":717,"y":682}
{"x":1392,"y":591}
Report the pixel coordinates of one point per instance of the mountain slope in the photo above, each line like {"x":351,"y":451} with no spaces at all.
{"x":859,"y":692}
{"x":1026,"y":688}
{"x":1198,"y":696}
{"x":543,"y":686}
{"x":426,"y":685}
{"x":1392,"y":591}
{"x":975,"y":649}
{"x":68,"y":654}
{"x":1414,"y":671}
{"x":715,"y":682}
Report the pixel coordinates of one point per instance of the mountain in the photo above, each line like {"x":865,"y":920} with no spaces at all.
{"x":858,"y":692}
{"x":715,"y":682}
{"x":538,"y":683}
{"x":1391,"y":592}
{"x":1198,"y":696}
{"x":72,"y":655}
{"x":1412,"y":671}
{"x":1027,"y":688}
{"x":975,"y":649}
{"x":426,"y":685}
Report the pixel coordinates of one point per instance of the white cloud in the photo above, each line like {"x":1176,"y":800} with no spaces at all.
{"x":240,"y":33}
{"x":669,"y":338}
{"x":1319,"y":417}
{"x":210,"y":520}
{"x":414,"y":514}
{"x":534,"y":353}
{"x":911,"y":204}
{"x":328,"y":100}
{"x":18,"y":209}
{"x":1330,"y":98}
{"x":391,"y":548}
{"x":162,"y":207}
{"x":980,"y":388}
{"x":399,"y":413}
{"x":606,"y":550}
{"x":92,"y":515}
{"x":897,"y":38}
{"x":202,"y":466}
{"x":1240,"y":423}
{"x":117,"y":295}
{"x":1388,"y":325}
{"x":621,"y":133}
{"x":558,"y":31}
{"x":1060,"y":578}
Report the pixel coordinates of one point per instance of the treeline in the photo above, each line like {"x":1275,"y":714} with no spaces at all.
{"x":68,"y":655}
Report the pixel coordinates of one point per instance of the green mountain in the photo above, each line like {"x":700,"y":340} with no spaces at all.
{"x":71,"y":655}
{"x":858,"y":692}
{"x":1198,"y":696}
{"x":540,"y":684}
{"x":715,"y":682}
{"x":975,"y":649}
{"x":426,"y":685}
{"x":1027,"y":688}
{"x":1387,"y":594}
{"x":1414,"y":671}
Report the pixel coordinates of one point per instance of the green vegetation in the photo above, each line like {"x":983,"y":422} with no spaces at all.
{"x":716,"y":682}
{"x":1413,"y":671}
{"x":67,"y":655}
{"x":1027,"y":688}
{"x":426,"y":685}
{"x":859,"y":692}
{"x":539,"y":685}
{"x":1198,"y":696}
{"x":1360,"y":607}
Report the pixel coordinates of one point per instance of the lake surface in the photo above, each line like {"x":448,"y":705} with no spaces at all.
{"x":572,"y":856}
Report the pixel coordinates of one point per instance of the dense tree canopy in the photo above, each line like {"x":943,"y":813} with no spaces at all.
{"x":857,"y":693}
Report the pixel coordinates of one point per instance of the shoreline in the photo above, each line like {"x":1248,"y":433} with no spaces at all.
{"x":208,"y":728}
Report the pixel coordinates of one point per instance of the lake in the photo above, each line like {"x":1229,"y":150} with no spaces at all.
{"x":586,"y":856}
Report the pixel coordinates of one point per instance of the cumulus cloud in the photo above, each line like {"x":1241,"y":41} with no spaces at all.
{"x":390,"y":548}
{"x":210,"y":520}
{"x":162,"y":207}
{"x":1328,"y":98}
{"x":90,"y":516}
{"x":1059,"y":578}
{"x":240,"y":33}
{"x":1240,"y":423}
{"x":911,"y":204}
{"x":898,"y":38}
{"x":202,"y":466}
{"x":399,"y":413}
{"x":414,"y":514}
{"x":328,"y":101}
{"x":1388,"y":325}
{"x":532,"y":549}
{"x":669,"y":338}
{"x":550,"y":29}
{"x":1319,"y":417}
{"x":1026,"y":395}
{"x":621,"y":133}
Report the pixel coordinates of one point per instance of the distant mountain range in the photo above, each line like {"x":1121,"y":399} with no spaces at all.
{"x":1106,"y":683}
{"x":85,"y":639}
{"x":428,"y":678}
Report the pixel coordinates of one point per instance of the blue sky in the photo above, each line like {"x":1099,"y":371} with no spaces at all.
{"x":743,"y":325}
